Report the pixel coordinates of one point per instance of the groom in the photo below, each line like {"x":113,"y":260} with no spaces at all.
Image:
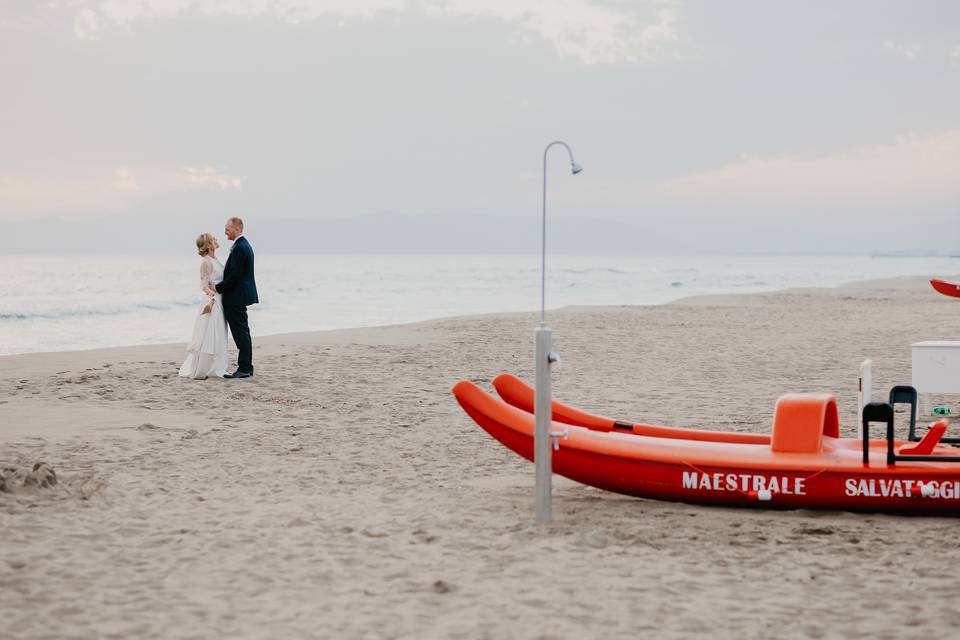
{"x":239,"y":290}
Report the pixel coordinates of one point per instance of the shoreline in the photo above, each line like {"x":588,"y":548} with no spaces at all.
{"x":294,"y":336}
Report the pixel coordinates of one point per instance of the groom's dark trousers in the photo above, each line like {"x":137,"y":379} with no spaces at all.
{"x":238,"y":290}
{"x":240,"y":330}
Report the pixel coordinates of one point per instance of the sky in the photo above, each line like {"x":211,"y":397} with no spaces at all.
{"x":723,"y":127}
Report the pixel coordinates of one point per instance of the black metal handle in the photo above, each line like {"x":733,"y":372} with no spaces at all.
{"x":905,"y":394}
{"x":878,"y":412}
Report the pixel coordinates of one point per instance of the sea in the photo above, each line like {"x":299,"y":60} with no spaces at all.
{"x":87,"y":302}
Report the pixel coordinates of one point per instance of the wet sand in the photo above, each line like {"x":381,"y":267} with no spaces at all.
{"x":342,"y":493}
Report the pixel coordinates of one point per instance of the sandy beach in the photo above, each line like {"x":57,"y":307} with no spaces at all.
{"x":342,"y":493}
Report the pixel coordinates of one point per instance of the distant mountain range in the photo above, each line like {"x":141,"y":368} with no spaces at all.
{"x":373,"y":234}
{"x":433,"y":234}
{"x":918,"y":253}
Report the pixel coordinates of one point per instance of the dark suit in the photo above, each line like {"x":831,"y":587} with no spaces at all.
{"x":239,"y":289}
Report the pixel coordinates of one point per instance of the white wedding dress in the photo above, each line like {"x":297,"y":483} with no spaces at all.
{"x":207,"y":351}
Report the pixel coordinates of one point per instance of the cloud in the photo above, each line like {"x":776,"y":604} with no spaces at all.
{"x":909,"y":51}
{"x":86,"y":25}
{"x":914,"y":171}
{"x":914,"y":168}
{"x":589,"y":31}
{"x":125,"y":180}
{"x":931,"y":50}
{"x":207,"y":176}
{"x":95,"y":18}
{"x":105,"y":189}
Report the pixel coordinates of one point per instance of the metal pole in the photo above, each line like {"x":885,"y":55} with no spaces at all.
{"x":542,"y":413}
{"x":543,"y":227}
{"x":542,"y":455}
{"x":543,"y":245}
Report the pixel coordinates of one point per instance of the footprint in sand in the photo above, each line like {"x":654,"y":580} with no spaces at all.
{"x":441,"y":586}
{"x":423,"y":537}
{"x":42,"y":476}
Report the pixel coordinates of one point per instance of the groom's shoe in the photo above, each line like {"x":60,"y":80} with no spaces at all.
{"x":239,"y":374}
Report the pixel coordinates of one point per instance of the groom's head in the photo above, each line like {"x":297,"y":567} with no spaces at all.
{"x":233,"y":229}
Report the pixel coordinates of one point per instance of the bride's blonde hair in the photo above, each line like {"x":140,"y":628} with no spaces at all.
{"x":204,"y":244}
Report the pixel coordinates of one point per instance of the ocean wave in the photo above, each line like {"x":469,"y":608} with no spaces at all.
{"x":60,"y":314}
{"x":585,"y":270}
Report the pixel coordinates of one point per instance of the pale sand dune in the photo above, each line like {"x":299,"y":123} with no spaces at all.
{"x":342,"y":493}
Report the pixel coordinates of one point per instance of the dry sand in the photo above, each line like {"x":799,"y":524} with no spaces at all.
{"x":343,"y":494}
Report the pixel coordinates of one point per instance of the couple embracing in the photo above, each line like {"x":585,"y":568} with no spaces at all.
{"x":229,"y":289}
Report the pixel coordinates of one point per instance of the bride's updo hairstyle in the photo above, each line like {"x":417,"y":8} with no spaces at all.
{"x":204,"y":244}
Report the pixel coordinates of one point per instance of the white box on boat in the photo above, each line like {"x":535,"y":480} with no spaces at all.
{"x":936,"y":369}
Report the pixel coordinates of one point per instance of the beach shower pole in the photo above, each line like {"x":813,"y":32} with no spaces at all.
{"x":545,"y":357}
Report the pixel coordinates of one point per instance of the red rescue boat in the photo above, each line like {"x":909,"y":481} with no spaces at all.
{"x":802,"y":464}
{"x":951,"y":289}
{"x":519,"y":394}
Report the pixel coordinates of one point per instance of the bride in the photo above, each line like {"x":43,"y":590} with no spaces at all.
{"x":207,"y":352}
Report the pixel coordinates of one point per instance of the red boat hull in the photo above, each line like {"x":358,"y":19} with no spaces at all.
{"x":946,"y":288}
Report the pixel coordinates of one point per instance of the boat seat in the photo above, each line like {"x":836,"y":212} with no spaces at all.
{"x":930,"y":440}
{"x":801,"y":420}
